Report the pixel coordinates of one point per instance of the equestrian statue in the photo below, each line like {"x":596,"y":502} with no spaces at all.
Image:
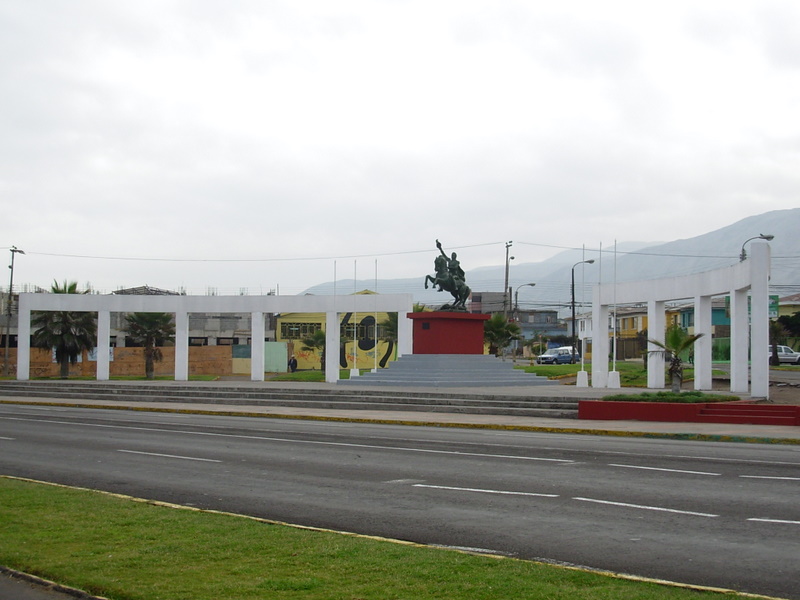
{"x":450,"y":277}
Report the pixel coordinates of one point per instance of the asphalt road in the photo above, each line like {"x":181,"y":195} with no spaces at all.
{"x":715,"y":514}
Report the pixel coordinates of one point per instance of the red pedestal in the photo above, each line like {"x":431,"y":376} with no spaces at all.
{"x":448,"y":332}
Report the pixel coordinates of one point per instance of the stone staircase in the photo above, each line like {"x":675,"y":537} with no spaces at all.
{"x":330,"y":397}
{"x":447,"y":370}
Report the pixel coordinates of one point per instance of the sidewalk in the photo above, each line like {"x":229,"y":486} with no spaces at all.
{"x":697,"y":431}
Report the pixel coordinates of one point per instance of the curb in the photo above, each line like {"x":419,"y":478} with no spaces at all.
{"x":696,"y":437}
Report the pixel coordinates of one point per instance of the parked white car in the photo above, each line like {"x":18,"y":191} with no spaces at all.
{"x":786,"y":355}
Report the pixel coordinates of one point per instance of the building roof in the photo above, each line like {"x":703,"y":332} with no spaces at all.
{"x":145,"y":290}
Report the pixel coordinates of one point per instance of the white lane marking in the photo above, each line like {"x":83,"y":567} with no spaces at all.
{"x":170,"y":456}
{"x":291,"y":441}
{"x":780,"y":521}
{"x":6,"y":438}
{"x":642,"y":507}
{"x":768,"y":477}
{"x":666,"y":470}
{"x":501,"y":492}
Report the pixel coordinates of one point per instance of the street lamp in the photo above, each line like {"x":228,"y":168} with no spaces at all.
{"x":506,"y":294}
{"x":14,"y":251}
{"x":516,"y":296}
{"x":761,"y":236}
{"x":574,"y":328}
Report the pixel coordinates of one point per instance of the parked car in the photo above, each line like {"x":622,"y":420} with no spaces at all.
{"x":559,"y":356}
{"x":786,"y":355}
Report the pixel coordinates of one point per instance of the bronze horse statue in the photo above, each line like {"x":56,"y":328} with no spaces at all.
{"x":449,"y":277}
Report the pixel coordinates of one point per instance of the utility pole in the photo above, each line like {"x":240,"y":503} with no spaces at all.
{"x":14,"y":251}
{"x":506,"y":290}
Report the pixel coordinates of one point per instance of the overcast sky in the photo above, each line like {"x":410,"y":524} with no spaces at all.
{"x":254,"y":144}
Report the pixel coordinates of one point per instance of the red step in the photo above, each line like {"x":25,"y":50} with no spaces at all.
{"x":754,"y":414}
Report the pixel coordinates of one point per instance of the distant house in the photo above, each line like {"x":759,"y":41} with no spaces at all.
{"x":789,"y":305}
{"x":632,"y":325}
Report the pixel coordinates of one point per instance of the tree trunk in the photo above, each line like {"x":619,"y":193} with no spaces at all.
{"x":149,"y":367}
{"x":65,"y":367}
{"x":676,"y":383}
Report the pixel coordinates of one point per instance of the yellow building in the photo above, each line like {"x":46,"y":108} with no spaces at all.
{"x":357,"y":334}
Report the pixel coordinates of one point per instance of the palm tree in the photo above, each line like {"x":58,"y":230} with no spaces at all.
{"x":498,"y":333}
{"x":315,"y":343}
{"x":151,"y":330}
{"x":676,"y":341}
{"x":389,"y":327}
{"x":68,"y":333}
{"x":777,"y":332}
{"x":389,"y":324}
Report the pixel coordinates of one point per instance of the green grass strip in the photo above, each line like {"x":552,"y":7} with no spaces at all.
{"x":124,"y":548}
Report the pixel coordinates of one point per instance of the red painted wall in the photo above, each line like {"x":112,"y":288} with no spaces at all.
{"x":448,"y":332}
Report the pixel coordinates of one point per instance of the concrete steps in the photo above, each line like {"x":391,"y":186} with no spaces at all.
{"x":447,"y":370}
{"x":329,"y":398}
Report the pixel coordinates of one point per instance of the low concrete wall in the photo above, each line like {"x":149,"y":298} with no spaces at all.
{"x":203,"y":360}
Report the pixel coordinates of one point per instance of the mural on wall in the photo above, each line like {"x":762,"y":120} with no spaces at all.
{"x":356,"y":338}
{"x":363,"y":348}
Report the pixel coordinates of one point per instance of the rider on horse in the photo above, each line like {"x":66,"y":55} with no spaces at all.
{"x":451,"y":277}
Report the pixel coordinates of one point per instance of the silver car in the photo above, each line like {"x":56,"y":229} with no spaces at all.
{"x":786,"y":355}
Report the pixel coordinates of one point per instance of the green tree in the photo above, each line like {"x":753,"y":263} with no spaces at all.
{"x":389,"y":324}
{"x":677,"y":341}
{"x":315,"y":343}
{"x":68,"y":333}
{"x":150,"y":330}
{"x":777,"y":334}
{"x":498,"y":332}
{"x":791,"y":323}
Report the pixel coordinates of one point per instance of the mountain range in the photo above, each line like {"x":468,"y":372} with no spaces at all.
{"x":627,"y":262}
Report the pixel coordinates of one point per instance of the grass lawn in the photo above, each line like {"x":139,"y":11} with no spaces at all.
{"x":124,"y":549}
{"x":311,"y":375}
{"x":688,"y":397}
{"x":631,"y":374}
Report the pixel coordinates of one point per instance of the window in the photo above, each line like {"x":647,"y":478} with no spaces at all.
{"x":364,"y":331}
{"x":227,"y":341}
{"x":198,"y":341}
{"x":298,"y":331}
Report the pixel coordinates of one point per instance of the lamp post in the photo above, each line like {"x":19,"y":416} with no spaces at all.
{"x":761,"y":236}
{"x":574,"y":328}
{"x":506,"y":293}
{"x":516,"y":296}
{"x":14,"y":251}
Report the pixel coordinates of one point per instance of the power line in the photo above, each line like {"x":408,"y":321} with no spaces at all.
{"x":372,"y":255}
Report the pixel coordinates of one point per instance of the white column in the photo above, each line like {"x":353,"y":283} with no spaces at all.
{"x":739,"y":341}
{"x":23,"y":339}
{"x":103,"y":337}
{"x":600,"y":344}
{"x":702,"y":347}
{"x":405,"y":333}
{"x":257,"y":346}
{"x":759,"y":260}
{"x":331,"y":347}
{"x":656,"y":330}
{"x":181,"y":346}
